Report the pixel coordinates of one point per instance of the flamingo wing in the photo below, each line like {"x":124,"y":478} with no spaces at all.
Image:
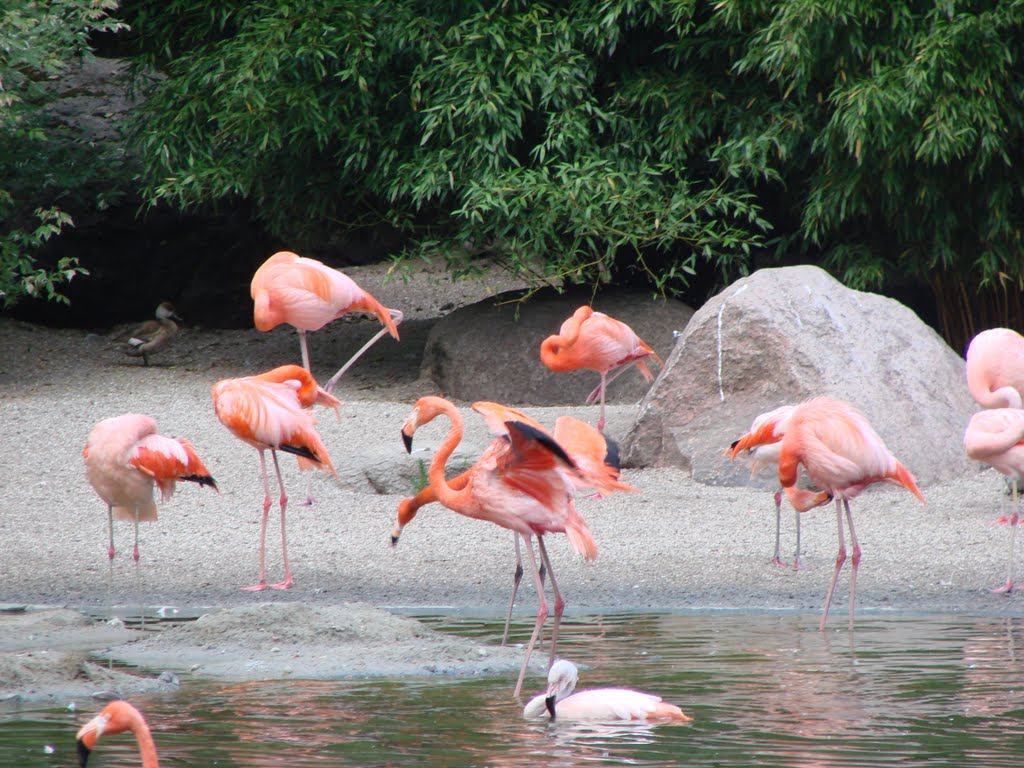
{"x":596,"y":456}
{"x":616,"y":704}
{"x":167,"y":460}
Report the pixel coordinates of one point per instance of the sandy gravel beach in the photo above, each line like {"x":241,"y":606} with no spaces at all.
{"x":674,"y":545}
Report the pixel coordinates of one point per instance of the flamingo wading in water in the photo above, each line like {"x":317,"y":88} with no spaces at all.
{"x":767,"y":455}
{"x":117,"y":717}
{"x":843,"y":455}
{"x":594,"y":341}
{"x":125,"y":457}
{"x":996,"y":437}
{"x":307,"y":294}
{"x":607,"y":704}
{"x":266,"y":411}
{"x":525,"y":486}
{"x":595,"y":456}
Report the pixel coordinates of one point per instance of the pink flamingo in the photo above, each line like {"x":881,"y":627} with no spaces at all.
{"x":527,"y":487}
{"x":117,"y":717}
{"x":267,"y":412}
{"x":125,"y":457}
{"x":995,"y":368}
{"x":996,"y":437}
{"x":767,"y":455}
{"x":595,"y":456}
{"x":607,"y":704}
{"x":307,"y":294}
{"x":843,"y":455}
{"x":596,"y":342}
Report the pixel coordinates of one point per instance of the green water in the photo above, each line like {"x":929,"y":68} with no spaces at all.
{"x":764,"y":690}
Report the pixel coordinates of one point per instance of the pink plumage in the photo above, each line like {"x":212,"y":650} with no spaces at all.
{"x":125,"y":458}
{"x":995,"y":368}
{"x":599,"y":704}
{"x":996,"y":437}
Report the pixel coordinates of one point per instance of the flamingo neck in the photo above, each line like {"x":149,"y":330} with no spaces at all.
{"x":147,"y":747}
{"x":456,"y":500}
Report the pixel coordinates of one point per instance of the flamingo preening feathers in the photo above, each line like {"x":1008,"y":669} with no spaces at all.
{"x":842,"y":455}
{"x":125,"y":458}
{"x":269,"y":412}
{"x":995,"y":368}
{"x":996,"y":437}
{"x":307,"y":294}
{"x":525,"y":484}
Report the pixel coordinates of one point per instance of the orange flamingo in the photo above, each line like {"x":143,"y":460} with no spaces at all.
{"x":995,"y":368}
{"x":596,"y":457}
{"x":307,"y":294}
{"x":843,"y":455}
{"x":606,"y":704}
{"x":596,"y":342}
{"x":125,"y":457}
{"x":527,"y":487}
{"x":267,"y":412}
{"x":767,"y":455}
{"x":996,"y":437}
{"x":117,"y":717}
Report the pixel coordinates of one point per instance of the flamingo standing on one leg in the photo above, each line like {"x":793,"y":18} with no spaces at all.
{"x":996,"y":437}
{"x":527,"y":488}
{"x":841,"y":454}
{"x":266,"y":412}
{"x":117,"y":717}
{"x":595,"y":456}
{"x":596,"y":342}
{"x":995,"y":368}
{"x":125,"y":457}
{"x":307,"y":294}
{"x":607,"y":704}
{"x":767,"y":455}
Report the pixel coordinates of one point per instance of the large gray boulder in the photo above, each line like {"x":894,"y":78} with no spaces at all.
{"x":491,"y":350}
{"x":782,"y":336}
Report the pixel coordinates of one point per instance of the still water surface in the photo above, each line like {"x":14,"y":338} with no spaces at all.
{"x":763,"y":689}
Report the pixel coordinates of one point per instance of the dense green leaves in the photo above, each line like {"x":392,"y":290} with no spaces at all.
{"x":38,"y":169}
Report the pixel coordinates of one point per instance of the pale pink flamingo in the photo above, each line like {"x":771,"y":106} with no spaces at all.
{"x":996,"y":437}
{"x":117,"y":717}
{"x":266,"y":411}
{"x":843,"y":455}
{"x":527,"y":487}
{"x":307,"y":294}
{"x":594,"y":341}
{"x":125,"y":458}
{"x":595,"y":456}
{"x":995,"y":368}
{"x":602,"y":704}
{"x":767,"y":455}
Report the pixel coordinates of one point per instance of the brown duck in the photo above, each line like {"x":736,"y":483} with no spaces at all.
{"x":152,"y":335}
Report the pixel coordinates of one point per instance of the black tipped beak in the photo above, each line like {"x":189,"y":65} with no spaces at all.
{"x":407,"y":439}
{"x":549,"y":702}
{"x":394,"y":541}
{"x":83,"y":754}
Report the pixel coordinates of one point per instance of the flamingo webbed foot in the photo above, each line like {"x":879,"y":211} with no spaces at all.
{"x":286,"y":584}
{"x":1005,"y":589}
{"x":256,"y":587}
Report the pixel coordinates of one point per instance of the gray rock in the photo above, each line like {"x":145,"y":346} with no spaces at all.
{"x":782,"y":336}
{"x":491,"y":350}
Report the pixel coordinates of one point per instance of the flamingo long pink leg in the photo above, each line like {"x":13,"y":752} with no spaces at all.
{"x":305,"y":349}
{"x":262,"y":583}
{"x":1014,"y":519}
{"x":283,"y":501}
{"x":777,"y":559}
{"x":559,"y":602}
{"x":796,"y":554}
{"x":516,"y":579}
{"x":854,"y":560}
{"x":542,"y":614}
{"x":397,"y":316}
{"x":840,"y":559}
